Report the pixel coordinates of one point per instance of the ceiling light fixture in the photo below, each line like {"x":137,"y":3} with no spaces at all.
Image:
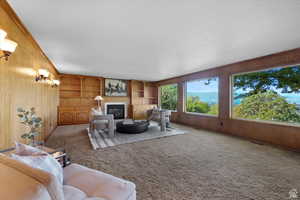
{"x":6,"y":46}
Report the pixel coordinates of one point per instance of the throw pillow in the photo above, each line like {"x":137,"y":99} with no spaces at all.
{"x":37,"y":158}
{"x":26,"y":150}
{"x":97,"y":111}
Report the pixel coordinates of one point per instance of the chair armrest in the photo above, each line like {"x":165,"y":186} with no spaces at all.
{"x":103,"y":117}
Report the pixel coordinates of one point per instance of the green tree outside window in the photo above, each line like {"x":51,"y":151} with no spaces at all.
{"x":169,"y":97}
{"x":272,"y":95}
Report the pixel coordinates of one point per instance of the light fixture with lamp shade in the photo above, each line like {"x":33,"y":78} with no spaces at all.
{"x":6,"y":46}
{"x":42,"y":75}
{"x":55,"y":83}
{"x":99,"y":99}
{"x":3,"y":34}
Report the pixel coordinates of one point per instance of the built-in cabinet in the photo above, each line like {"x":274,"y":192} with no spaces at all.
{"x":77,"y":95}
{"x":143,"y":98}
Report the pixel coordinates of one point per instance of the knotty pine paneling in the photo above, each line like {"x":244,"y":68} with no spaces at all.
{"x":17,"y":85}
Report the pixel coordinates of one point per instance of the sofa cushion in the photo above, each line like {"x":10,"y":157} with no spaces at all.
{"x":72,"y":193}
{"x":33,"y":181}
{"x":98,"y":184}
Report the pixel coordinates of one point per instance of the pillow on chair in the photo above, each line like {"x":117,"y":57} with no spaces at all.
{"x":26,"y":150}
{"x":96,"y":112}
{"x":39,"y":159}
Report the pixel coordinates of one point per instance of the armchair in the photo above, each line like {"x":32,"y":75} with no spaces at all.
{"x":105,"y":123}
{"x":161,"y":116}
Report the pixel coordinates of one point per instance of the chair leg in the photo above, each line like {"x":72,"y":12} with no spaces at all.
{"x":111,"y":129}
{"x":162,"y":121}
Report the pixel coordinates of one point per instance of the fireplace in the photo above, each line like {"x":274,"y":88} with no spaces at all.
{"x":117,"y":109}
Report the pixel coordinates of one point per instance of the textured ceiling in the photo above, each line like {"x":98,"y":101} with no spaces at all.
{"x":157,"y":39}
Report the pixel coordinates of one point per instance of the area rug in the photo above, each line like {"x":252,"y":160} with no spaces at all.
{"x":100,"y":139}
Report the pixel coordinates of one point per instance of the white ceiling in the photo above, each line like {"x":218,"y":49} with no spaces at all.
{"x":158,"y":39}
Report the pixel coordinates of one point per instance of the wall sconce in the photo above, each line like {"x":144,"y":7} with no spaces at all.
{"x":42,"y":75}
{"x":3,"y":34}
{"x":6,"y":46}
{"x":55,"y":83}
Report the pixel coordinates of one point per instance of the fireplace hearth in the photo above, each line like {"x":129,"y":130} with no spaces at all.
{"x":118,"y":110}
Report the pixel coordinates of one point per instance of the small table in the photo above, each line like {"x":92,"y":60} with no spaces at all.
{"x":59,"y":154}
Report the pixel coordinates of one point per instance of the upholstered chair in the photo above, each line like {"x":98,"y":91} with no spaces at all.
{"x":101,"y":122}
{"x":161,"y":116}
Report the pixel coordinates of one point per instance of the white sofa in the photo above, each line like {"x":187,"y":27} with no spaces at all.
{"x":19,"y":181}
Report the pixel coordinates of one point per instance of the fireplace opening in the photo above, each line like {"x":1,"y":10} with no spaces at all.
{"x":118,"y":110}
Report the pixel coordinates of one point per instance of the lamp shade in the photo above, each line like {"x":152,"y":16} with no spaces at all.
{"x":55,"y":82}
{"x":2,"y":34}
{"x":44,"y":73}
{"x":8,"y":45}
{"x":98,"y":98}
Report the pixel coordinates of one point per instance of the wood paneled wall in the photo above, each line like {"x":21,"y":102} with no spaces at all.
{"x":77,"y":95}
{"x":17,"y":85}
{"x":281,"y":135}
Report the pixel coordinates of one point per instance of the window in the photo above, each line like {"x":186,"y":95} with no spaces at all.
{"x":168,"y":97}
{"x":269,"y":95}
{"x":202,"y":96}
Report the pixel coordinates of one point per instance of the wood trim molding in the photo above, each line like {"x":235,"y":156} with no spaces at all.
{"x":80,"y":76}
{"x":12,"y":14}
{"x":287,"y":58}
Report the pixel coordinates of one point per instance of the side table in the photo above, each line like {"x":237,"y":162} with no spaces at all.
{"x":59,"y":154}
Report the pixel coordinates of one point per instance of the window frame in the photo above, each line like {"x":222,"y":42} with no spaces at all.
{"x":231,"y":100}
{"x":159,"y":95}
{"x":186,"y":96}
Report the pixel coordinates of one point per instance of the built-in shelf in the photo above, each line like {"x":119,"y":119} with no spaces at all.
{"x":69,"y":97}
{"x":144,"y":97}
{"x":77,"y":95}
{"x":91,"y":90}
{"x":76,"y":90}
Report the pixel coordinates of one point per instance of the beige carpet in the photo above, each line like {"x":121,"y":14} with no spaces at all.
{"x":198,"y":165}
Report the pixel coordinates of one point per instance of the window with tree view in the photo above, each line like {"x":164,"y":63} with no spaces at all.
{"x":168,"y":97}
{"x":269,"y":95}
{"x":202,"y":96}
